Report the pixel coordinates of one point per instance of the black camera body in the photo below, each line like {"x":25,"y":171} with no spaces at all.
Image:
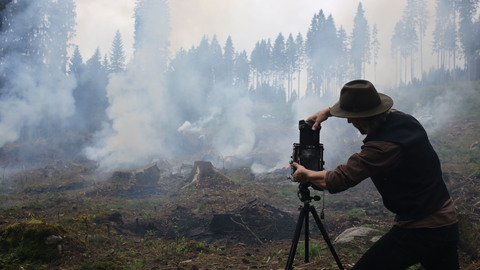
{"x":309,"y":152}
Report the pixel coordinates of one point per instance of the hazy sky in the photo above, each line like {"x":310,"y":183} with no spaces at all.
{"x":246,"y":21}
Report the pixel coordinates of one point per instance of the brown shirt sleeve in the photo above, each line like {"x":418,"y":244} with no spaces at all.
{"x":375,"y":157}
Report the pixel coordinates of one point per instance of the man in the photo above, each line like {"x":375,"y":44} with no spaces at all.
{"x":398,"y":157}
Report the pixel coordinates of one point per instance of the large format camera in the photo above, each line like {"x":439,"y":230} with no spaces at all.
{"x":309,"y":152}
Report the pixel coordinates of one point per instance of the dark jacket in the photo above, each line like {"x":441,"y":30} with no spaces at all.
{"x":415,"y":188}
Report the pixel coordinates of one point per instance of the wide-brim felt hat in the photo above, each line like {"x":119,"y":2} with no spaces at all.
{"x":360,"y":99}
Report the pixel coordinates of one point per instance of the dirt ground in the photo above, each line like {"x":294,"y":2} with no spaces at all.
{"x":204,"y":219}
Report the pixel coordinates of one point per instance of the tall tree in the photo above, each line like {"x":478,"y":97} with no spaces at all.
{"x":279,"y":60}
{"x":343,"y":67}
{"x":300,"y":59}
{"x":228,"y":61}
{"x":117,"y":54}
{"x":322,"y":49}
{"x":467,"y":10}
{"x":421,"y":21}
{"x":410,"y":36}
{"x":360,"y":44}
{"x":94,"y":64}
{"x":90,"y":95}
{"x":315,"y":50}
{"x":291,"y":61}
{"x":312,"y":50}
{"x":375,"y":50}
{"x":76,"y":65}
{"x":242,"y":70}
{"x":216,"y":61}
{"x":399,"y":45}
{"x":332,"y":53}
{"x":204,"y":60}
{"x":445,"y":34}
{"x":260,"y":61}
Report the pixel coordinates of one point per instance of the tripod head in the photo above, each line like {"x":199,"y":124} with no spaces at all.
{"x":304,"y":193}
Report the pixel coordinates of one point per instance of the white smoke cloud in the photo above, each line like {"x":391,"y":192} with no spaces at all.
{"x":34,"y":87}
{"x":139,"y":112}
{"x":237,"y":134}
{"x":436,"y":113}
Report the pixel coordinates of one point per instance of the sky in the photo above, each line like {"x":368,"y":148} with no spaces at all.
{"x":246,"y":21}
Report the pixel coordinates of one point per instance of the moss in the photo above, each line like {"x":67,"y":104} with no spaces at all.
{"x":30,"y":242}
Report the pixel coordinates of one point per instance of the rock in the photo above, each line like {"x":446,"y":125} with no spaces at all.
{"x":358,"y":233}
{"x":53,"y":239}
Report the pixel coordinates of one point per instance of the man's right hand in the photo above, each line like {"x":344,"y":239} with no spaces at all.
{"x":319,"y":117}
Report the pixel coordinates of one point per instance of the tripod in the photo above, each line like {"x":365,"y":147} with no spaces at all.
{"x":305,"y":210}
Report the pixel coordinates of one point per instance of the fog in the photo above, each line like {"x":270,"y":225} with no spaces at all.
{"x":162,"y":106}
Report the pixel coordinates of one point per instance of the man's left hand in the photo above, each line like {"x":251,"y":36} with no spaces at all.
{"x":301,"y":174}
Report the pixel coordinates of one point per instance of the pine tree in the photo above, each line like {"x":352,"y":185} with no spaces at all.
{"x":291,"y":57}
{"x":76,"y":65}
{"x":242,"y":70}
{"x":398,"y":47}
{"x":467,"y":37}
{"x":375,"y":49}
{"x":117,"y":54}
{"x":228,"y":61}
{"x":410,"y":20}
{"x":421,"y":14}
{"x":215,"y":60}
{"x":444,"y":34}
{"x":300,"y":59}
{"x":260,"y":60}
{"x":343,"y":66}
{"x":322,"y":48}
{"x":90,"y":95}
{"x":94,"y":64}
{"x":315,"y":53}
{"x":278,"y":60}
{"x":360,"y":45}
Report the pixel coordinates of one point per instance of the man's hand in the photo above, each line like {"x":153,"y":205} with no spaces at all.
{"x":319,"y":117}
{"x":303,"y":175}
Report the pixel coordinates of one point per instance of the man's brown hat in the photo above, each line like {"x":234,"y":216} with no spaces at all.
{"x":359,"y":99}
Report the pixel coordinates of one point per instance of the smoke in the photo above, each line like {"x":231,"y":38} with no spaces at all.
{"x":436,"y":113}
{"x":35,"y":91}
{"x":139,"y":113}
{"x":434,"y":107}
{"x":147,"y":120}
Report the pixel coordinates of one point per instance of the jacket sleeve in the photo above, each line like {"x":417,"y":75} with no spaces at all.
{"x":375,"y":157}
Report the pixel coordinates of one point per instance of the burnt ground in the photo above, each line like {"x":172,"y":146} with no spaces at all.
{"x":203,"y":219}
